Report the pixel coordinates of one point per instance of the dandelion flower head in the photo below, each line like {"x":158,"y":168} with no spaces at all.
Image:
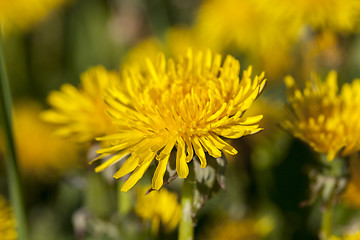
{"x":254,"y":27}
{"x":40,"y":153}
{"x":321,"y":117}
{"x":189,"y":104}
{"x":352,"y":236}
{"x":351,"y":195}
{"x":177,"y":40}
{"x":7,"y":219}
{"x":248,"y":228}
{"x":80,"y":113}
{"x":333,"y":15}
{"x":161,"y":207}
{"x":20,"y":15}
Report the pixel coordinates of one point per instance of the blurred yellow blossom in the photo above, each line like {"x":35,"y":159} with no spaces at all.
{"x":40,"y":153}
{"x":255,"y":27}
{"x":80,"y":113}
{"x":20,"y":15}
{"x":245,"y":229}
{"x":161,"y":207}
{"x":188,"y":104}
{"x":177,"y":40}
{"x":7,"y":220}
{"x":352,"y":192}
{"x":333,"y":15}
{"x":321,"y":117}
{"x":148,"y":47}
{"x":352,"y":236}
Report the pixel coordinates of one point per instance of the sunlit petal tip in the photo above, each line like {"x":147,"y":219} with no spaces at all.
{"x":289,"y":81}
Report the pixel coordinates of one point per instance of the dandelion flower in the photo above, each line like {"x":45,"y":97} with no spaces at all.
{"x":333,"y":15}
{"x":148,"y":47}
{"x":351,"y":195}
{"x":40,"y":153}
{"x":80,"y":113}
{"x":324,"y":119}
{"x":352,"y":236}
{"x":161,"y":207}
{"x":242,"y":229}
{"x":178,"y":40}
{"x":254,"y":27}
{"x":20,"y":15}
{"x":7,"y":219}
{"x":189,"y":104}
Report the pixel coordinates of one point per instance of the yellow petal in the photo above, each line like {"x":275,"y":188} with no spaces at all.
{"x":210,"y":147}
{"x":181,"y":165}
{"x":158,"y":178}
{"x":199,"y":151}
{"x":129,"y":165}
{"x":221,"y":144}
{"x":114,"y":159}
{"x":135,"y":176}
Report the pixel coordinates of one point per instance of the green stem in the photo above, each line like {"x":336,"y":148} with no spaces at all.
{"x":186,"y":229}
{"x":123,"y":200}
{"x":11,"y":163}
{"x":326,"y":225}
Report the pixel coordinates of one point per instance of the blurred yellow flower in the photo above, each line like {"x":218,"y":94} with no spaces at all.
{"x":351,"y":195}
{"x":353,"y":236}
{"x":333,"y":15}
{"x":245,"y":229}
{"x":40,"y":153}
{"x":178,"y":40}
{"x":148,"y":47}
{"x":161,"y":207}
{"x":255,"y":27}
{"x":7,"y":220}
{"x":20,"y":15}
{"x":80,"y":113}
{"x":188,"y":104}
{"x":321,"y":117}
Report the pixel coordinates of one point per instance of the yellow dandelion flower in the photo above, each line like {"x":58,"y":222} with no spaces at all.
{"x":351,"y":116}
{"x":189,"y":104}
{"x":7,"y":220}
{"x":177,"y":40}
{"x":321,"y":117}
{"x":161,"y":207}
{"x":40,"y":153}
{"x":80,"y":113}
{"x":148,"y":47}
{"x":352,"y":236}
{"x":334,"y":15}
{"x":254,"y":27}
{"x":20,"y":15}
{"x":351,"y":196}
{"x":243,"y":229}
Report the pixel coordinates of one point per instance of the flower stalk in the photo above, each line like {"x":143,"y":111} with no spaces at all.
{"x":11,"y":162}
{"x":334,"y":182}
{"x":326,"y":224}
{"x":186,"y":228}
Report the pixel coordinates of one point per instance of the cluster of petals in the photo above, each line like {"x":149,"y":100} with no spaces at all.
{"x":7,"y":219}
{"x":189,"y":104}
{"x":161,"y":207}
{"x":79,"y":113}
{"x":20,"y":15}
{"x":323,"y":118}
